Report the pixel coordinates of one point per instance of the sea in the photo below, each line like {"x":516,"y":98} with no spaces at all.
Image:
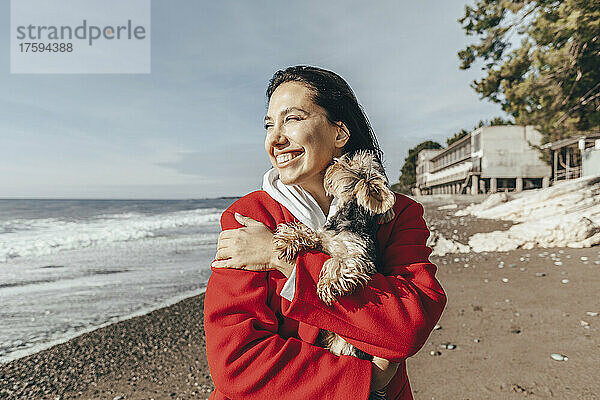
{"x":71,"y":266}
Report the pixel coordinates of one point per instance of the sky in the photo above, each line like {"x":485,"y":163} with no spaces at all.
{"x":193,"y":127}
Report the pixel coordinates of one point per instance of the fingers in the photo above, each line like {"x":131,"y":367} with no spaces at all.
{"x":223,"y":242}
{"x":219,"y":264}
{"x":222,"y":254}
{"x":228,"y":234}
{"x":230,"y":263}
{"x":247,"y":221}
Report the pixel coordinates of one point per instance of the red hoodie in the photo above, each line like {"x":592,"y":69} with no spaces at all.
{"x":261,"y":346}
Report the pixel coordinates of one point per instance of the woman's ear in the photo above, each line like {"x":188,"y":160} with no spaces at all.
{"x":342,"y":135}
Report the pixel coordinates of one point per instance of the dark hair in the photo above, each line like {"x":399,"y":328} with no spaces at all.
{"x":331,"y":92}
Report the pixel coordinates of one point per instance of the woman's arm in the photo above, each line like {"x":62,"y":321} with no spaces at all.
{"x":394,"y":314}
{"x":247,"y":357}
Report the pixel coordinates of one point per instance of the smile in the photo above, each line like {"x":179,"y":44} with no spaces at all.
{"x":285,"y":158}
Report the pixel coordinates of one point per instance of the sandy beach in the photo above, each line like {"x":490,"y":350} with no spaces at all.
{"x":507,"y":313}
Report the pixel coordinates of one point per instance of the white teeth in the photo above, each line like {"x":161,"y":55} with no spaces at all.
{"x":282,"y":158}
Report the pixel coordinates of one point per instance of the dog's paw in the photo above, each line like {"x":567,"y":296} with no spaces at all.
{"x":340,"y":277}
{"x":325,"y":293}
{"x":330,"y":273}
{"x":290,"y":239}
{"x":285,"y":243}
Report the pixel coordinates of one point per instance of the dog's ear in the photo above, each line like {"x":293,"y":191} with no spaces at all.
{"x":374,"y":195}
{"x":371,"y":189}
{"x":339,"y":181}
{"x":329,"y":179}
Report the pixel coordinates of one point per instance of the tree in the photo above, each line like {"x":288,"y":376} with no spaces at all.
{"x":552,"y":79}
{"x":463,"y":132}
{"x":408,"y":172}
{"x":457,"y":136}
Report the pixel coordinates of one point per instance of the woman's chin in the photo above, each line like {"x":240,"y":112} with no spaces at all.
{"x":287,"y":180}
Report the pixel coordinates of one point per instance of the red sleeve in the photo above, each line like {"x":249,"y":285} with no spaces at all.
{"x":246,"y":356}
{"x":392,"y":316}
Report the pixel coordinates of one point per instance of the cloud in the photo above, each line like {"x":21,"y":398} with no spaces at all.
{"x":193,"y":127}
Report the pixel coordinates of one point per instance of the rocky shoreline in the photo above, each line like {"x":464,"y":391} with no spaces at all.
{"x":159,"y":355}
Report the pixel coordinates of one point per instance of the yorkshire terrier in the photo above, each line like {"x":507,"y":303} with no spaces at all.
{"x":364,"y":199}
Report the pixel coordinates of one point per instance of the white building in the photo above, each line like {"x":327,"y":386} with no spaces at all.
{"x":487,"y":160}
{"x":424,"y":167}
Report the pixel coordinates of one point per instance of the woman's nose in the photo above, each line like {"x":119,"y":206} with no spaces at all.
{"x":276,"y":135}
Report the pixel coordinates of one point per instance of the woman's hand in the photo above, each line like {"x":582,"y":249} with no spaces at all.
{"x":382,"y":372}
{"x":249,"y":248}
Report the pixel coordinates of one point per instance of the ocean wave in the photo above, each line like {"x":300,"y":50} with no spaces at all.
{"x":37,"y":237}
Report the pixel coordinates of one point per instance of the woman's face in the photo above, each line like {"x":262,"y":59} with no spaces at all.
{"x":300,"y":140}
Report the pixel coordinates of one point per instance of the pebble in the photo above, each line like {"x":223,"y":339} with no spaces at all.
{"x":505,"y":280}
{"x":435,"y":353}
{"x":584,"y":258}
{"x":436,"y":327}
{"x":476,"y":340}
{"x":486,"y":280}
{"x":559,"y":263}
{"x":559,"y":357}
{"x":500,"y":265}
{"x":584,"y":323}
{"x":564,"y":281}
{"x":540,"y":274}
{"x":592,"y":313}
{"x":448,"y":346}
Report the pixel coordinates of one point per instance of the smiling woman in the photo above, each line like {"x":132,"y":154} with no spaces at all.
{"x":300,"y":140}
{"x":263,"y":315}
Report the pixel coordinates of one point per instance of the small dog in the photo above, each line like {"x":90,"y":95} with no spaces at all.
{"x":359,"y":184}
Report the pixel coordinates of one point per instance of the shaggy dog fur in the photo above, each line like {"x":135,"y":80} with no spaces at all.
{"x":359,"y":184}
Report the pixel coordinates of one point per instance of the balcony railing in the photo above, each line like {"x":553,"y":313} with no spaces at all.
{"x":564,"y":174}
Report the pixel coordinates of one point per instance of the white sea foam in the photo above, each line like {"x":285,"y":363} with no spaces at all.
{"x":68,"y":266}
{"x":37,"y":237}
